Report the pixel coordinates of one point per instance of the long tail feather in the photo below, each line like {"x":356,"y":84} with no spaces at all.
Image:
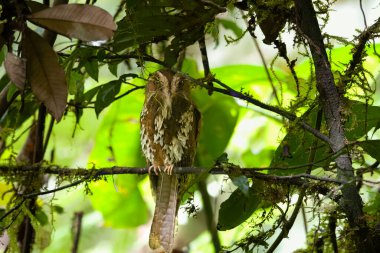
{"x":164,"y":219}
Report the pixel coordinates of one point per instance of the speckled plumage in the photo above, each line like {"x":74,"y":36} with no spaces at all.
{"x":169,"y":131}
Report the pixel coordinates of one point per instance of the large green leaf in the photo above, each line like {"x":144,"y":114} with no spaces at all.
{"x":237,"y":208}
{"x":237,"y":76}
{"x":372,"y":147}
{"x":117,"y":143}
{"x":219,"y":117}
{"x":118,"y":138}
{"x":120,"y":202}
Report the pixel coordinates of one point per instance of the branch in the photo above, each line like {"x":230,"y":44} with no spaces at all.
{"x":297,"y":179}
{"x":234,"y":93}
{"x":357,"y":56}
{"x":76,"y":230}
{"x":351,"y":202}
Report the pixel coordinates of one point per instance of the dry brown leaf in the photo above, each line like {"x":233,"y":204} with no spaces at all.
{"x":84,"y":22}
{"x":44,"y":73}
{"x":16,"y":70}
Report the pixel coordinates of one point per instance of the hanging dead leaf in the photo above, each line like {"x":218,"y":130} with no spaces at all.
{"x":44,"y":73}
{"x":84,"y":22}
{"x":15,"y":68}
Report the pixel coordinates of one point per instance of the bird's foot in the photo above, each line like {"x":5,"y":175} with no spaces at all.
{"x":155,"y":168}
{"x":169,"y":169}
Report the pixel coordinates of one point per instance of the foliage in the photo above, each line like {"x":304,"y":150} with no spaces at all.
{"x":273,"y":119}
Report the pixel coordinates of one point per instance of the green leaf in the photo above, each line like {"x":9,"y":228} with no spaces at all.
{"x":92,"y":68}
{"x":117,"y":141}
{"x":237,"y":208}
{"x":106,"y":95}
{"x":180,"y":42}
{"x":247,"y":78}
{"x":230,"y":25}
{"x":75,"y":82}
{"x":88,"y":96}
{"x":112,"y":67}
{"x":3,"y":51}
{"x":14,"y":118}
{"x":120,"y":202}
{"x":152,"y":22}
{"x":11,"y":91}
{"x":241,"y":182}
{"x":58,"y":209}
{"x":361,"y":119}
{"x":41,"y":217}
{"x":4,"y":80}
{"x":296,"y":146}
{"x":214,"y":136}
{"x":371,"y":147}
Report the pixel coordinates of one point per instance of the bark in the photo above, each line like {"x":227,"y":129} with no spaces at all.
{"x":351,"y":202}
{"x":26,"y":232}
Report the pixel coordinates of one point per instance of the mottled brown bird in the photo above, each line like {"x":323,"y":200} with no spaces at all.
{"x":169,"y":130}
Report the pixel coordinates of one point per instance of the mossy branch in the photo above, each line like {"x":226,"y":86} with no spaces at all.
{"x":297,"y":179}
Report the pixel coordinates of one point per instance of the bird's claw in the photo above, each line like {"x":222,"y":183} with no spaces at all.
{"x":169,"y":169}
{"x":155,"y":168}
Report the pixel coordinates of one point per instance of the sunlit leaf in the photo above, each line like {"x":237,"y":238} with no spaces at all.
{"x":245,"y":77}
{"x":84,"y":22}
{"x":117,"y":140}
{"x":237,"y":208}
{"x":219,"y":117}
{"x":44,"y":73}
{"x":121,"y":203}
{"x":5,"y":187}
{"x":16,"y":69}
{"x":118,"y":143}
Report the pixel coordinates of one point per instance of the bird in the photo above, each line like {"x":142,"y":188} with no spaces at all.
{"x":170,"y":124}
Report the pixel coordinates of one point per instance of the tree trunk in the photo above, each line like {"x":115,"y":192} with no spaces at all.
{"x":351,"y":202}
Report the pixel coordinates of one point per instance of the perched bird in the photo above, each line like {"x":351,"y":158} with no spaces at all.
{"x":170,"y":125}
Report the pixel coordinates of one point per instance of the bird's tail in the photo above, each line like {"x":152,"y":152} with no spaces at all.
{"x":164,"y":219}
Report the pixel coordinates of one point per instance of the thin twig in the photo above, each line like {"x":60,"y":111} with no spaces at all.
{"x":12,"y":209}
{"x":76,"y":230}
{"x":209,"y":215}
